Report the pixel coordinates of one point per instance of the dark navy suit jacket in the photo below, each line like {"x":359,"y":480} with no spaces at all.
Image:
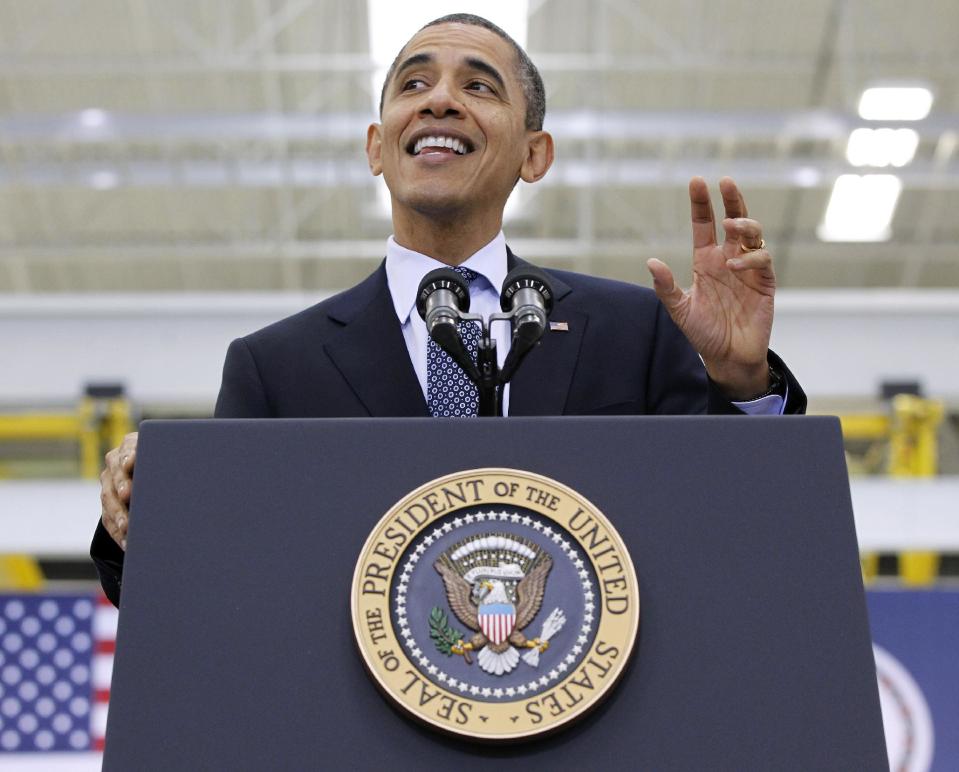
{"x":346,"y":357}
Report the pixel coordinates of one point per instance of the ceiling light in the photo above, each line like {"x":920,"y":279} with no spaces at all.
{"x":882,"y":147}
{"x":806,"y":177}
{"x":105,"y":179}
{"x":861,"y":208}
{"x":895,"y":103}
{"x":93,"y":118}
{"x":391,"y":24}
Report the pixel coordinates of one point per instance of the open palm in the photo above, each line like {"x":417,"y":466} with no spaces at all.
{"x":727,"y":313}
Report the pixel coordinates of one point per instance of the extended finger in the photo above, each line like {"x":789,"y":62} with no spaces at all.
{"x":733,"y":201}
{"x":701,"y":209}
{"x":663,"y":282}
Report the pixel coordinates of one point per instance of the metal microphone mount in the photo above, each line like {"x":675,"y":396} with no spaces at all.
{"x":443,"y":302}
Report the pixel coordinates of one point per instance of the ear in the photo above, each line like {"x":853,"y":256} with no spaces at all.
{"x":374,"y":146}
{"x":539,"y":156}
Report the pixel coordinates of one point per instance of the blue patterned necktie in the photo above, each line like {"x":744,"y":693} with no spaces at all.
{"x":449,"y":392}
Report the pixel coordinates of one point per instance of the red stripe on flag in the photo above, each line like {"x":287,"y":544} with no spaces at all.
{"x":106,"y":646}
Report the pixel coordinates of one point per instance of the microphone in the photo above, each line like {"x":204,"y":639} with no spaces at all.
{"x":527,"y":297}
{"x":444,"y":295}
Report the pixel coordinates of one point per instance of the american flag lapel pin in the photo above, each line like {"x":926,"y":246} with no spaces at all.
{"x":559,"y":326}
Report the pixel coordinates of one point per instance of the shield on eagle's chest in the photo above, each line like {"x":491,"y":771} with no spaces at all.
{"x":497,"y":620}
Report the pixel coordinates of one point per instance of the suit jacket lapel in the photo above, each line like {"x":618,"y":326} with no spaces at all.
{"x":371,"y":353}
{"x":541,"y":385}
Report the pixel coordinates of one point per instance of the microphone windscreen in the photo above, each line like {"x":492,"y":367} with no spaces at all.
{"x":526,"y":277}
{"x":443,"y":279}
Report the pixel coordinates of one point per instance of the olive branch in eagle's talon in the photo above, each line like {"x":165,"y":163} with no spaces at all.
{"x":448,"y":640}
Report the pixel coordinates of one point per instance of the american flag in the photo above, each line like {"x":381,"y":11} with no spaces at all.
{"x":56,"y":660}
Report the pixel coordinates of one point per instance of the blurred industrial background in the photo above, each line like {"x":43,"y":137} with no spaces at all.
{"x":176,"y":174}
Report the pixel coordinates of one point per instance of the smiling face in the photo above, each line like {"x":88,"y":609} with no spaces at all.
{"x":453,"y":140}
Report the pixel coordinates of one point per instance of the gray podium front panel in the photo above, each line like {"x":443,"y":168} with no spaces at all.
{"x":235,"y":648}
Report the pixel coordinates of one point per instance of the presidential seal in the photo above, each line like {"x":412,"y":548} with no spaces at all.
{"x":495,"y":604}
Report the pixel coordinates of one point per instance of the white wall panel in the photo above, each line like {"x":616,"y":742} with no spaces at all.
{"x":166,"y":349}
{"x":170,"y":348}
{"x":845,"y":343}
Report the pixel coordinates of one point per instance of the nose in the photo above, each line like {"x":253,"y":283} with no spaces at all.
{"x":441,"y":100}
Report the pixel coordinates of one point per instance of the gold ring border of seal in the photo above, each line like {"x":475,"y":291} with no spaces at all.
{"x":497,"y":728}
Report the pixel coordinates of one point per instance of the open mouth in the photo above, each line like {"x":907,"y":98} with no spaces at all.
{"x":439,"y":144}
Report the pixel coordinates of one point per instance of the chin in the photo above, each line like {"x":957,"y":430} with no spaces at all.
{"x":436,"y":205}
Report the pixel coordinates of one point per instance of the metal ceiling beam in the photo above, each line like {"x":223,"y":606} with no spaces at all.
{"x":354,"y":173}
{"x":263,"y":40}
{"x":203,"y":62}
{"x":107,"y":128}
{"x":532,"y":248}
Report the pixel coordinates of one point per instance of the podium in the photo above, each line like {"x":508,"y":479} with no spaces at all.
{"x":235,"y":647}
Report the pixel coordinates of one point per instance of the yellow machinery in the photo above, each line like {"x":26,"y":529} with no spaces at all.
{"x":911,"y":431}
{"x":95,"y":426}
{"x":913,"y":452}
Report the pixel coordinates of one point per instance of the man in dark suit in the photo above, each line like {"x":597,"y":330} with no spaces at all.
{"x":461,"y":123}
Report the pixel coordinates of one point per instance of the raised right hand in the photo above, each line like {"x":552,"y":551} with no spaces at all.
{"x":116,"y":485}
{"x":727,"y":313}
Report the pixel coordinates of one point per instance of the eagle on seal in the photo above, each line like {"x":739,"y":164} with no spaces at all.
{"x":486,"y":608}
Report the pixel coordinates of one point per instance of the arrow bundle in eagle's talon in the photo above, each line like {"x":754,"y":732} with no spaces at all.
{"x":552,"y":625}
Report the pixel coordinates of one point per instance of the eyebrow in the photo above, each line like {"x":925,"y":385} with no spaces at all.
{"x":474,"y":63}
{"x":489,"y":69}
{"x":413,"y":60}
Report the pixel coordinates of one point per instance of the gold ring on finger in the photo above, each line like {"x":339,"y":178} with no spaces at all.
{"x":744,"y":248}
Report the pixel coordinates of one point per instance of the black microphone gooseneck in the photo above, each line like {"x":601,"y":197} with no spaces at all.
{"x":443,"y":301}
{"x":527,"y":300}
{"x":443,"y":298}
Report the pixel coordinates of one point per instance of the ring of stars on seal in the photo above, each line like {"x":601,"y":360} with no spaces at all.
{"x":495,"y":604}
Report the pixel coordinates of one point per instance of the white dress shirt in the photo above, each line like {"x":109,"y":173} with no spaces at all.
{"x":404,"y":270}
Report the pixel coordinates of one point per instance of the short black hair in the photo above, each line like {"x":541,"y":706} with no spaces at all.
{"x":526,"y":71}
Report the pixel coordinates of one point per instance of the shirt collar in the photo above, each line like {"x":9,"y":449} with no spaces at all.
{"x":405,"y":268}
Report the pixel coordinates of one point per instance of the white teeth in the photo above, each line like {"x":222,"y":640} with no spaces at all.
{"x":454,"y":144}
